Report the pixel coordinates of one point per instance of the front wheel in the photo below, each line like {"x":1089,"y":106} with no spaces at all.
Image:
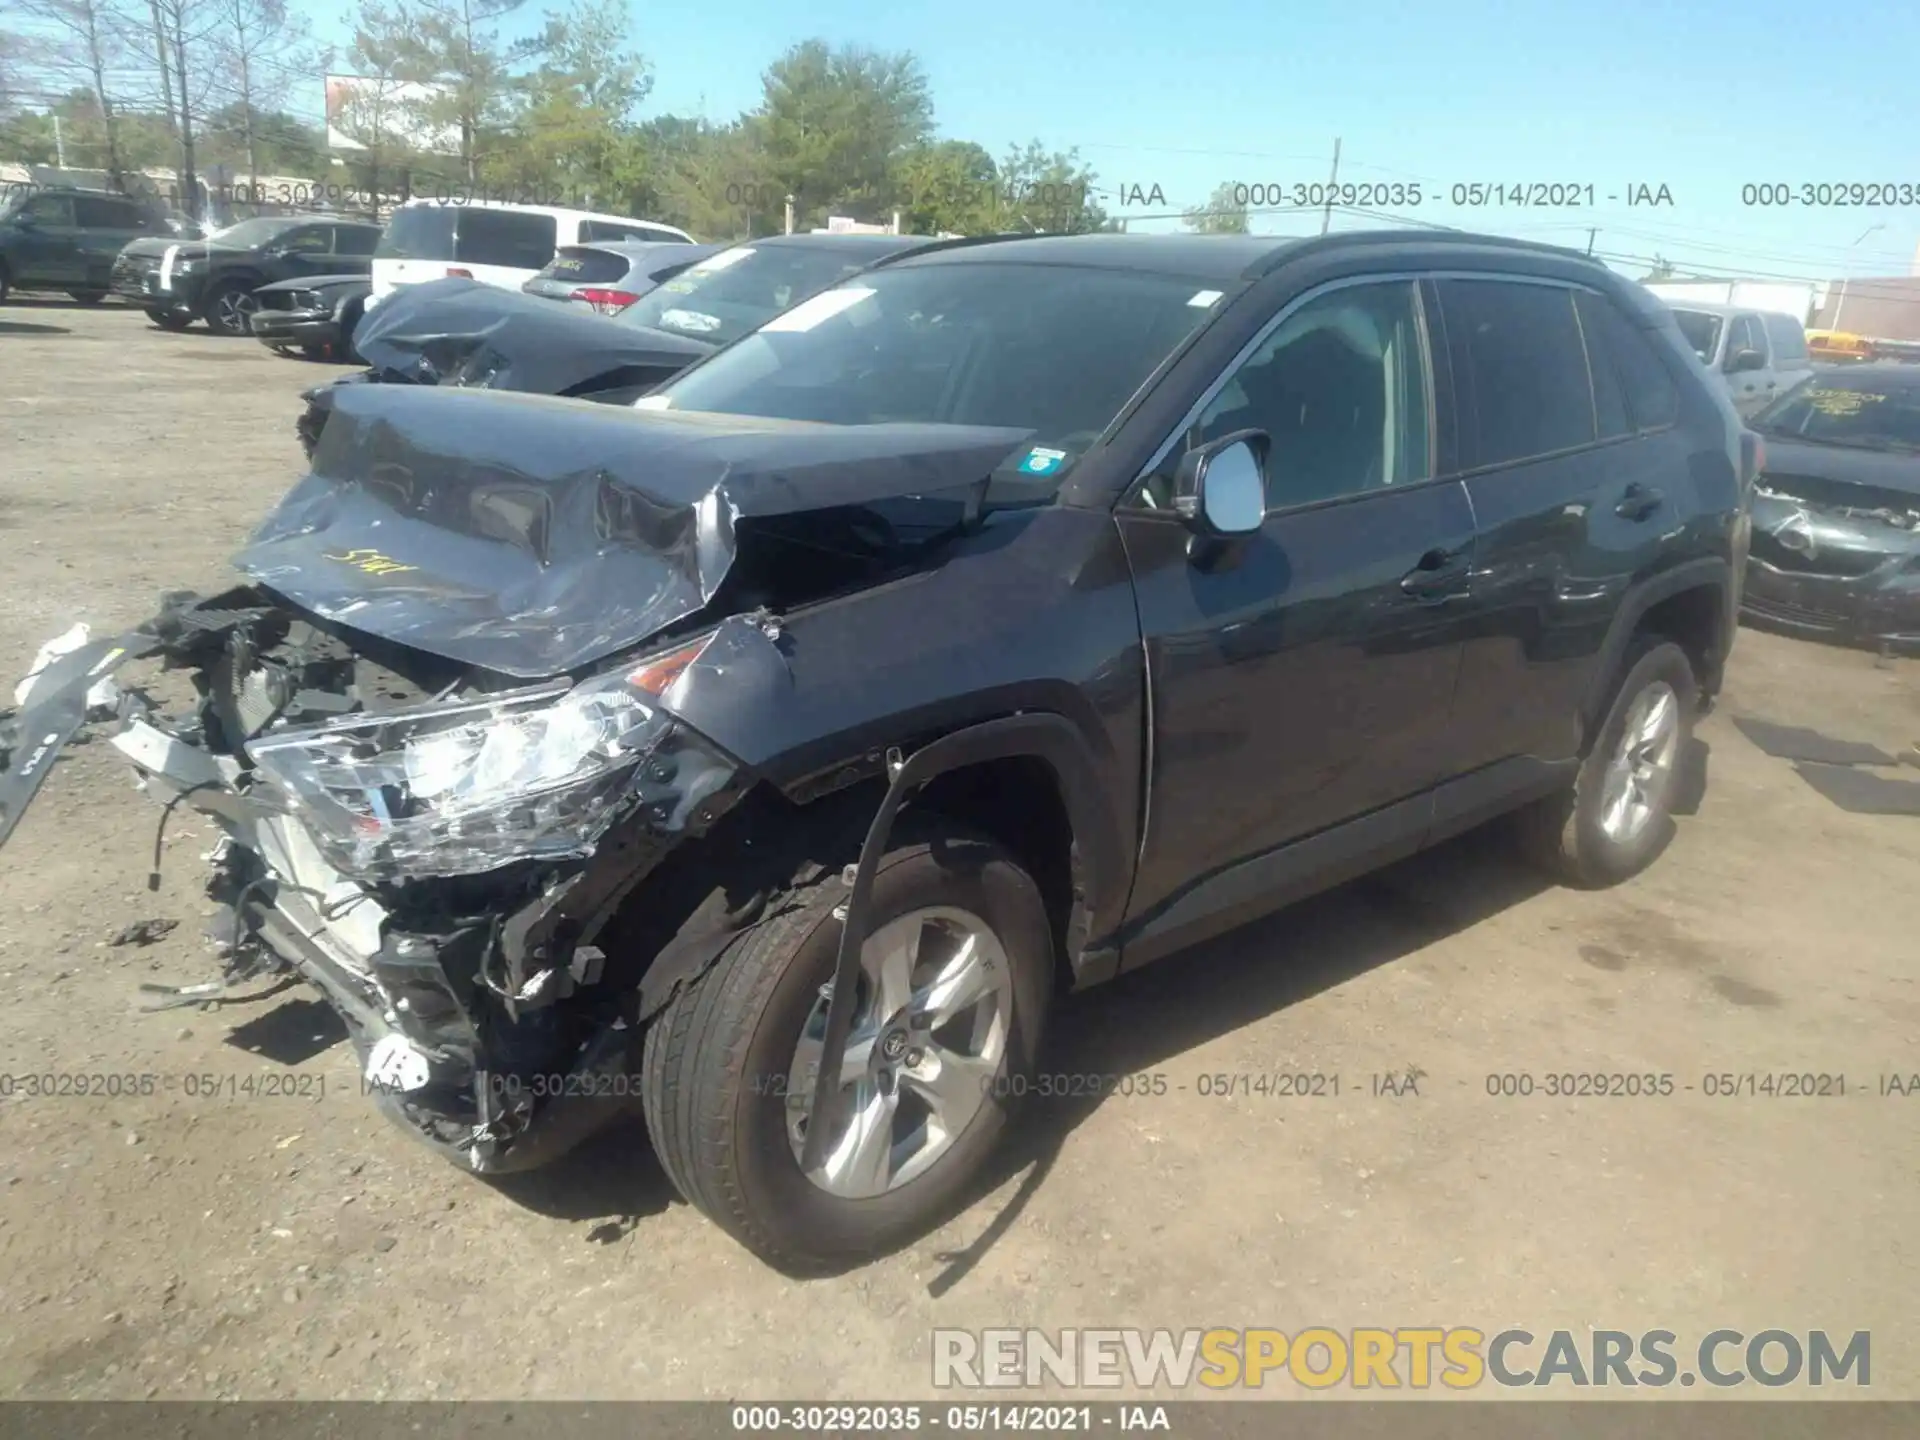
{"x":1619,"y":814}
{"x":88,"y":297}
{"x":169,"y":319}
{"x":956,"y":973}
{"x":230,"y":309}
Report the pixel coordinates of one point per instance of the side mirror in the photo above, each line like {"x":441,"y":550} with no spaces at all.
{"x":1220,"y":488}
{"x":1742,"y":361}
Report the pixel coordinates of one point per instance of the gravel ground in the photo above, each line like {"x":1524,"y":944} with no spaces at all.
{"x":221,"y":1237}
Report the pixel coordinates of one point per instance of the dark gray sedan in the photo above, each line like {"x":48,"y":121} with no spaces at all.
{"x":611,"y":274}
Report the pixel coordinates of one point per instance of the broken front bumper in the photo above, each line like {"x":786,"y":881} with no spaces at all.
{"x":454,"y":1006}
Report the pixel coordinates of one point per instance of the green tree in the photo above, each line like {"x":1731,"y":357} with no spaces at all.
{"x":836,"y":124}
{"x":1047,"y":192}
{"x":948,"y":188}
{"x":455,"y":46}
{"x":259,"y":49}
{"x":81,"y":43}
{"x":1221,"y":215}
{"x":577,"y":129}
{"x":711,"y":180}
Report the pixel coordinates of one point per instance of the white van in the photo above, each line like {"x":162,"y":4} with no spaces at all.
{"x":494,"y":243}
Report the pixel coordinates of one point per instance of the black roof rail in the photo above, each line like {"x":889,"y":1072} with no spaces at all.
{"x":1318,"y":243}
{"x":957,"y":242}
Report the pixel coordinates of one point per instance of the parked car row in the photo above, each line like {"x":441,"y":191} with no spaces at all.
{"x":960,"y":622}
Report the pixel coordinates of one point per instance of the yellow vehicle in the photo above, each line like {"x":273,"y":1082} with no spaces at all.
{"x":1839,"y":345}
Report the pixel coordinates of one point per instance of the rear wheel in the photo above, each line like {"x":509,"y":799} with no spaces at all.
{"x":955,"y":977}
{"x":1619,"y":814}
{"x":230,"y":308}
{"x":88,"y":297}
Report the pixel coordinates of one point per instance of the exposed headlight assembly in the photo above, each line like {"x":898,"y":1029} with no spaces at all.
{"x":468,"y":786}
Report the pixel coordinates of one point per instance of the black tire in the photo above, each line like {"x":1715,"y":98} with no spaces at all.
{"x":169,"y":319}
{"x":1564,"y":833}
{"x":6,"y":284}
{"x":88,"y":297}
{"x":230,"y":299}
{"x":723,"y":1139}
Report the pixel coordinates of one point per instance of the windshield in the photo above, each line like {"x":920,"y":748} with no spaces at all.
{"x":740,"y":289}
{"x":1702,"y":331}
{"x":1045,"y":348}
{"x":1869,"y":412}
{"x":249,"y":233}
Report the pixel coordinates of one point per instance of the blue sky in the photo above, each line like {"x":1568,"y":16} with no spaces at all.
{"x":1702,"y":98}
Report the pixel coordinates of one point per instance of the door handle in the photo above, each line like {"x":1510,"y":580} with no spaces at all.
{"x":1639,"y":502}
{"x":1439,"y":574}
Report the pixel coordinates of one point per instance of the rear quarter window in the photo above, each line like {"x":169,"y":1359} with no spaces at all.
{"x":504,"y":237}
{"x":1653,"y":399}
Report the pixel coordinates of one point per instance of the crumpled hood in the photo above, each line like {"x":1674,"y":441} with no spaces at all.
{"x":531,"y":536}
{"x":461,"y":332}
{"x":318,"y":282}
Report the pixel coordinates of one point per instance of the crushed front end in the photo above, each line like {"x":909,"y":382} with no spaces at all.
{"x":434,"y":847}
{"x":1835,"y":559}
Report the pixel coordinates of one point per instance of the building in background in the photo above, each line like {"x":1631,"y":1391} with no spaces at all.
{"x":1877,"y":308}
{"x":1800,"y":299}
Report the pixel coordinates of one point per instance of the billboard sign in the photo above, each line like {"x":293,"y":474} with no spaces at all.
{"x":363,"y":109}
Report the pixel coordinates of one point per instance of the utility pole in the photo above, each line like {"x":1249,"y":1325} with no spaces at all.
{"x":1591,"y":232}
{"x":59,"y":144}
{"x":1326,"y":215}
{"x":789,"y":214}
{"x":166,"y":70}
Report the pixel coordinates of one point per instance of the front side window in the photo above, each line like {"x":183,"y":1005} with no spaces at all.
{"x":1702,"y":331}
{"x":1340,"y":388}
{"x":309,"y":240}
{"x":354,"y":239}
{"x":1053,"y":349}
{"x":48,"y":210}
{"x":92,"y":214}
{"x":1520,"y":344}
{"x":1745,"y":334}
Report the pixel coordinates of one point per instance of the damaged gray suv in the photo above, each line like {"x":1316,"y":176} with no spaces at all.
{"x":1014,"y":614}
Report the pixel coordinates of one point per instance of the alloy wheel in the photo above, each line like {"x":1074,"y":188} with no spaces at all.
{"x":928,"y":1039}
{"x":1641,"y":769}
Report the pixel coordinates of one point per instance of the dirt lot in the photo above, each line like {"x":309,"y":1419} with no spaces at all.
{"x":221,"y":1243}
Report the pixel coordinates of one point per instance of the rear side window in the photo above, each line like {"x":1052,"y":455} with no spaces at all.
{"x":355,"y":239}
{"x":609,"y":230}
{"x":582,"y":265}
{"x":418,"y":232}
{"x":1789,"y":340}
{"x":1521,"y":346}
{"x":1653,"y":401}
{"x":504,"y":237}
